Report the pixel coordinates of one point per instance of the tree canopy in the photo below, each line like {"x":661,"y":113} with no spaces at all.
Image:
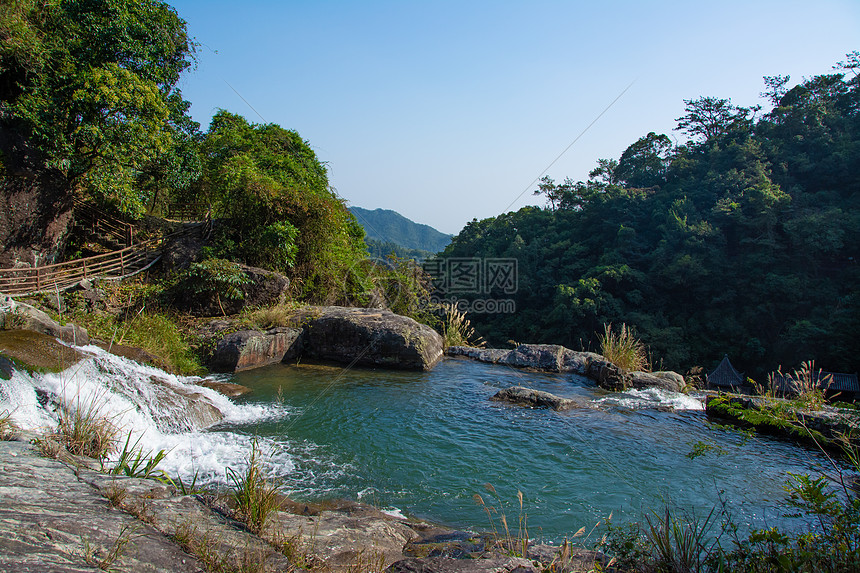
{"x":744,"y":240}
{"x":89,"y":87}
{"x":278,"y":208}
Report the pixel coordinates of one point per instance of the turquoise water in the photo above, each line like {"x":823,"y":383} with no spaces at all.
{"x":426,"y":443}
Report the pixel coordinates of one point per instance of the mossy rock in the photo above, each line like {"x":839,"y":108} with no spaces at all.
{"x":38,"y":352}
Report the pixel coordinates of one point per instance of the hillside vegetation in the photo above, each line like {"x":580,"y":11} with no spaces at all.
{"x":744,"y":240}
{"x":386,"y":226}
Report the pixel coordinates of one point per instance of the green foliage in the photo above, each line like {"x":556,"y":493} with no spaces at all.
{"x":767,"y":415}
{"x":155,"y":332}
{"x":90,"y":85}
{"x":744,"y":240}
{"x":276,"y":206}
{"x":134,"y":461}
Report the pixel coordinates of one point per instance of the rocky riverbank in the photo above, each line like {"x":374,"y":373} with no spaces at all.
{"x":554,"y":358}
{"x":58,"y":514}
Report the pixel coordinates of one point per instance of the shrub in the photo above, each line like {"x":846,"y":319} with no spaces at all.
{"x":623,"y":348}
{"x":215,"y":277}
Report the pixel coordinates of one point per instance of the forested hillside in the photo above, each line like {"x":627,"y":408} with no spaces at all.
{"x":391,"y":227}
{"x":744,"y":240}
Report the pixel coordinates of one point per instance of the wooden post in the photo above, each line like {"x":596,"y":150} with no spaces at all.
{"x":38,"y":285}
{"x":85,"y":268}
{"x":121,"y":264}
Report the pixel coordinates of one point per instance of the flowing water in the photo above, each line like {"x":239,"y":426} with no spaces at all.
{"x":425,"y":444}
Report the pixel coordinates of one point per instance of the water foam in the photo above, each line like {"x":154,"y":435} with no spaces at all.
{"x":653,"y":398}
{"x":159,"y":410}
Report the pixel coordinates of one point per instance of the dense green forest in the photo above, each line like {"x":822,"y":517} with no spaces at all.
{"x":90,"y":108}
{"x":743,"y":240}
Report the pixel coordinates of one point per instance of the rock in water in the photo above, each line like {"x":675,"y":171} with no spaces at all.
{"x":252,"y":348}
{"x":534,"y":398}
{"x":370,"y":337}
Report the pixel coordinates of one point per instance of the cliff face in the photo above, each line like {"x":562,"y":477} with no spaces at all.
{"x":35,"y":208}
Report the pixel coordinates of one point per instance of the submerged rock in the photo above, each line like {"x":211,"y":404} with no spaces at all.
{"x":226,"y":388}
{"x":534,"y":398}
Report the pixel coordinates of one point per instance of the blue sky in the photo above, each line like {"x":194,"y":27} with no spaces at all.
{"x":449,"y":110}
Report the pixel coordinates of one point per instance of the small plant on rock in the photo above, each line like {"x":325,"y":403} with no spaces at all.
{"x":84,"y":430}
{"x":256,"y":497}
{"x":623,"y":349}
{"x":457,"y":330}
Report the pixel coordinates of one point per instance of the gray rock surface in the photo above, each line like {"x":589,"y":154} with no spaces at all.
{"x":14,"y":314}
{"x":534,"y":398}
{"x":253,"y":348}
{"x":52,"y":521}
{"x":554,"y":358}
{"x":667,"y":380}
{"x":369,"y":337}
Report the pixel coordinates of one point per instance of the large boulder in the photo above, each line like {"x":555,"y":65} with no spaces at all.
{"x":370,"y":337}
{"x":667,"y":380}
{"x":534,"y":398}
{"x":263,"y":288}
{"x":253,"y":348}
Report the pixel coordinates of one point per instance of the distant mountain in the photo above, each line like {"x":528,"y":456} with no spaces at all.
{"x":388,"y":226}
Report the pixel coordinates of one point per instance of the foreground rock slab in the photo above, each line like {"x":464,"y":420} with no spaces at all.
{"x":52,"y":521}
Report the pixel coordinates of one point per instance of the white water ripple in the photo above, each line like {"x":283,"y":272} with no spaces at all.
{"x":154,"y":408}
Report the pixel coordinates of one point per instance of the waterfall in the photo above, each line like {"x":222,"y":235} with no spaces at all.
{"x":161,"y":411}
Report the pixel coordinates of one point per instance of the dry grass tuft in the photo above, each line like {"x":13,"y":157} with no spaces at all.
{"x":623,"y":349}
{"x":457,"y":330}
{"x":8,"y":429}
{"x":84,"y":430}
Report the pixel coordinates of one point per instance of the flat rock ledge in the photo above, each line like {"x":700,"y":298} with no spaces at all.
{"x":354,"y":336}
{"x":535,"y":399}
{"x":60,"y":516}
{"x":555,"y":358}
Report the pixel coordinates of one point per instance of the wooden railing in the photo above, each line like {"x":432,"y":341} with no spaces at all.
{"x":60,"y":276}
{"x":98,"y":222}
{"x":188,"y":211}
